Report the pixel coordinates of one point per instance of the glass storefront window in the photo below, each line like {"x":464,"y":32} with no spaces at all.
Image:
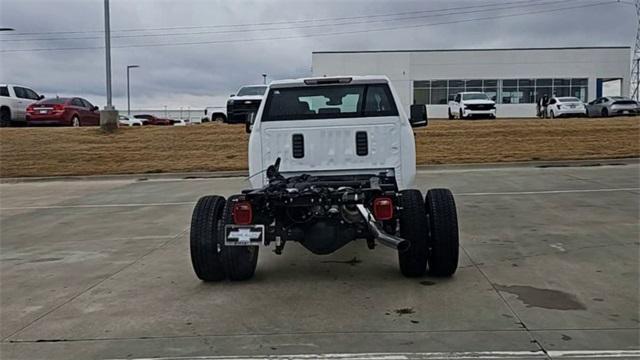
{"x":439,"y":92}
{"x":506,"y":91}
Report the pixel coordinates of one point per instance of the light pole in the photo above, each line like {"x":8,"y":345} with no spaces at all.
{"x":129,"y":89}
{"x":108,"y":116}
{"x":264,"y":79}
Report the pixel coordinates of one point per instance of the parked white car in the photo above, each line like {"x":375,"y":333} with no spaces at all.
{"x":181,"y":122}
{"x":470,"y":104}
{"x":565,"y":106}
{"x":129,"y":120}
{"x":14,"y":100}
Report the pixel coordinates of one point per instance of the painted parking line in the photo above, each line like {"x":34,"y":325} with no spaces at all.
{"x":89,"y":206}
{"x":468,"y":355}
{"x":543,"y":192}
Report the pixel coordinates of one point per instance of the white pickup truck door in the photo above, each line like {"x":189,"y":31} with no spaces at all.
{"x":327,"y":144}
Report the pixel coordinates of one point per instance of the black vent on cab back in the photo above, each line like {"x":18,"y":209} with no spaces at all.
{"x":297,"y":146}
{"x":362,"y":144}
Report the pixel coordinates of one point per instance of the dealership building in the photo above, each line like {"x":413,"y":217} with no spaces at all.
{"x":514,"y":78}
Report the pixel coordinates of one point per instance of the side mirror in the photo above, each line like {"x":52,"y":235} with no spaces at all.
{"x":248,"y":124}
{"x":95,"y":108}
{"x":418,"y":116}
{"x":40,"y":97}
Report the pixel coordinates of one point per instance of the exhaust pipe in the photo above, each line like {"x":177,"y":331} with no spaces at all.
{"x":382,"y":237}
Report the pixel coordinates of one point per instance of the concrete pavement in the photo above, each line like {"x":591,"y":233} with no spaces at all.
{"x":101,"y":269}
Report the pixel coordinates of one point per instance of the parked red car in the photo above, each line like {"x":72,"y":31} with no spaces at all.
{"x":153,"y":120}
{"x":63,"y":111}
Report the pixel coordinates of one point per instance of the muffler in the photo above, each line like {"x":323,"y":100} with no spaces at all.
{"x":380,"y":236}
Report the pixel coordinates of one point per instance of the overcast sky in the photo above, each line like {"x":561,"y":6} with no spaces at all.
{"x":226,"y":55}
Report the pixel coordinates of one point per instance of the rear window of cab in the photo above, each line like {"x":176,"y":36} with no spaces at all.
{"x":329,"y":102}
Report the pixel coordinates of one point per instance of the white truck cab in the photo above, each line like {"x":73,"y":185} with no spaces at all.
{"x":333,"y":126}
{"x":331,"y":161}
{"x":471,"y":104}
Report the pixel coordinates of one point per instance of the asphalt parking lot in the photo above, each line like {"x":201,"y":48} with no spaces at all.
{"x":101,"y":269}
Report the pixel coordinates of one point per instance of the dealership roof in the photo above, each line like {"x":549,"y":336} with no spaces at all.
{"x":476,"y":49}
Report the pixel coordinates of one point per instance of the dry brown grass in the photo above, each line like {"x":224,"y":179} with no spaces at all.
{"x":212,"y":147}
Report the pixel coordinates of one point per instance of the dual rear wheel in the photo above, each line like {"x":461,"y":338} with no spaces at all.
{"x":430,"y":224}
{"x":211,"y":259}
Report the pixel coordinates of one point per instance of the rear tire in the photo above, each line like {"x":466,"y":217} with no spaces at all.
{"x":239,"y":261}
{"x":5,"y":117}
{"x":413,"y":228}
{"x":218,"y":118}
{"x":461,"y":115}
{"x":605,"y":112}
{"x":450,"y":114}
{"x":551,"y":114}
{"x":204,"y":240}
{"x":75,"y":121}
{"x":443,"y":232}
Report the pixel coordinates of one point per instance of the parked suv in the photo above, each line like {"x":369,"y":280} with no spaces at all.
{"x":63,"y":111}
{"x":471,"y":104}
{"x":331,"y":161}
{"x":246,"y":101}
{"x":14,"y":100}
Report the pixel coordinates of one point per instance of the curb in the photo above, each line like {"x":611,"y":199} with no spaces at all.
{"x":245,"y":173}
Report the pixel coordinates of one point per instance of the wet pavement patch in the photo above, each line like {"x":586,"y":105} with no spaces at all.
{"x":543,"y":298}
{"x":353,"y":261}
{"x":404,"y":311}
{"x":427,"y":283}
{"x":46,"y":260}
{"x":566,"y":337}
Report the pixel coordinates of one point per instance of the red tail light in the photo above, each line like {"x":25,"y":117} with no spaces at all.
{"x":242,"y":213}
{"x":30,"y":109}
{"x":58,"y":107}
{"x":383,"y":208}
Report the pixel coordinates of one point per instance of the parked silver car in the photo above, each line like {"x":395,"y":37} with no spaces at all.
{"x":613,"y":106}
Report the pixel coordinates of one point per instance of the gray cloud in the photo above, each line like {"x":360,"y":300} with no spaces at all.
{"x":204,"y":74}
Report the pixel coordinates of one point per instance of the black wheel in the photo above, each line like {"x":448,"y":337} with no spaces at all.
{"x":219,"y":118}
{"x":75,"y":121}
{"x":205,"y":237}
{"x":605,"y":112}
{"x":413,"y":227}
{"x":443,"y":232}
{"x":551,"y":114}
{"x":239,"y":261}
{"x":5,"y":117}
{"x":450,"y":114}
{"x":461,"y":114}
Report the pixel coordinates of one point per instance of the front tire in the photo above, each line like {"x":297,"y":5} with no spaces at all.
{"x":205,"y":238}
{"x":450,"y":114}
{"x":605,"y":112}
{"x":75,"y":121}
{"x":461,"y":115}
{"x":443,"y":232}
{"x":413,"y":227}
{"x":239,"y":261}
